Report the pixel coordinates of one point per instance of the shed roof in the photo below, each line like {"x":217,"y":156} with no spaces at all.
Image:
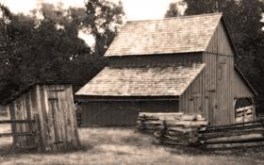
{"x":154,"y":81}
{"x":174,"y":35}
{"x":27,"y":87}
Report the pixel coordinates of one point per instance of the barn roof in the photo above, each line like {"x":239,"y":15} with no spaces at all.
{"x":173,"y":35}
{"x":153,"y":81}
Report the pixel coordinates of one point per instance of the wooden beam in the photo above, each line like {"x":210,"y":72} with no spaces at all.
{"x":249,"y":140}
{"x":17,"y":134}
{"x":16,"y":121}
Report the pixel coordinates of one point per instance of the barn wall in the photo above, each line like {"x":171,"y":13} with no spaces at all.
{"x":191,"y":102}
{"x":155,"y":60}
{"x":240,"y":89}
{"x":218,"y":91}
{"x":212,"y":93}
{"x":218,"y":79}
{"x":121,"y":113}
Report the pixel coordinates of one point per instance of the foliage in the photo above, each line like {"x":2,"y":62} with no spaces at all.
{"x":48,"y":48}
{"x":172,"y":11}
{"x":102,"y":19}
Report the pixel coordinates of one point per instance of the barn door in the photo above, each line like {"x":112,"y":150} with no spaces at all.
{"x":211,"y":105}
{"x":196,"y":104}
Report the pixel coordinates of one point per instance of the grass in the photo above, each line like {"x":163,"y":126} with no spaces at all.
{"x":114,"y":146}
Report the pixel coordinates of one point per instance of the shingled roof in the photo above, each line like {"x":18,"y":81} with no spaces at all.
{"x":174,"y":35}
{"x":154,"y":81}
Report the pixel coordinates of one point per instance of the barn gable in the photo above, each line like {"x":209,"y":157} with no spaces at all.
{"x":220,"y":42}
{"x":242,"y":88}
{"x":222,"y":47}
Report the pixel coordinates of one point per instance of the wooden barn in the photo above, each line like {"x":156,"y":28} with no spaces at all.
{"x":183,"y":64}
{"x":50,"y":107}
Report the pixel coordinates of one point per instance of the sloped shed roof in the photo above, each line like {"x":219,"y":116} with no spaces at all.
{"x":173,"y":35}
{"x":155,"y":81}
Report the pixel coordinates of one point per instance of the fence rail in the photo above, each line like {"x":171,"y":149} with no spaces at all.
{"x":235,"y":136}
{"x":196,"y":133}
{"x":17,"y":134}
{"x":16,"y":121}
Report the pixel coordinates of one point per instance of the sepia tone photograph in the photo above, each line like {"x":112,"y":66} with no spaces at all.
{"x":131,"y":82}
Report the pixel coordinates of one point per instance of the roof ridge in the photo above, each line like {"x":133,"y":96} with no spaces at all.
{"x":146,"y":36}
{"x":179,"y":17}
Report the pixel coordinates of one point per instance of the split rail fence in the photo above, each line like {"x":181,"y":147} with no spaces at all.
{"x":235,"y":136}
{"x":194,"y":131}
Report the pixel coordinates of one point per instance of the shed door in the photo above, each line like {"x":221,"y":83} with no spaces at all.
{"x":53,"y":120}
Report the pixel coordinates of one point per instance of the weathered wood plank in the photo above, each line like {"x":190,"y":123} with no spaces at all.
{"x":259,"y":139}
{"x":17,"y":134}
{"x":16,"y":121}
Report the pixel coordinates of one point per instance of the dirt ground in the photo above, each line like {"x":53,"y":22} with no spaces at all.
{"x":116,"y":146}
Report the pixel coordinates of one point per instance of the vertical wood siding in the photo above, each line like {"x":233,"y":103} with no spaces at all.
{"x":220,"y":80}
{"x":22,"y":109}
{"x":214,"y":90}
{"x":121,"y":113}
{"x":240,"y":89}
{"x":57,"y":127}
{"x":191,"y":102}
{"x":219,"y":72}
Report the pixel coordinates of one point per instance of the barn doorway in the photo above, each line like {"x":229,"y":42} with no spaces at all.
{"x":244,"y":109}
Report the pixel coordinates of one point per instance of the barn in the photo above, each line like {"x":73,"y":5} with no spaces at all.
{"x":183,"y":64}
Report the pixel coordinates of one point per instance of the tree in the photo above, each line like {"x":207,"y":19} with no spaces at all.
{"x":172,"y":11}
{"x":49,"y":48}
{"x":103,"y":19}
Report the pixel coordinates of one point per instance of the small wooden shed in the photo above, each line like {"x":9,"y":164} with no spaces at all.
{"x":183,"y":64}
{"x":51,"y":108}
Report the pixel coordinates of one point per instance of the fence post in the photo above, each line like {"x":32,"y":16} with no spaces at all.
{"x":36,"y":132}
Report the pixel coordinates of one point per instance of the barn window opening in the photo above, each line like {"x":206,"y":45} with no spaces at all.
{"x":243,"y":102}
{"x":244,"y":109}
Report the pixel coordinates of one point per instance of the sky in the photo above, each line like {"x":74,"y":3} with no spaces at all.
{"x":134,"y":9}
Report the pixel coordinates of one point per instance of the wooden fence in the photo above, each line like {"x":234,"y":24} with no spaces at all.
{"x":244,"y":114}
{"x":152,"y":122}
{"x":189,"y":130}
{"x":236,"y":136}
{"x":171,"y":128}
{"x":17,"y":136}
